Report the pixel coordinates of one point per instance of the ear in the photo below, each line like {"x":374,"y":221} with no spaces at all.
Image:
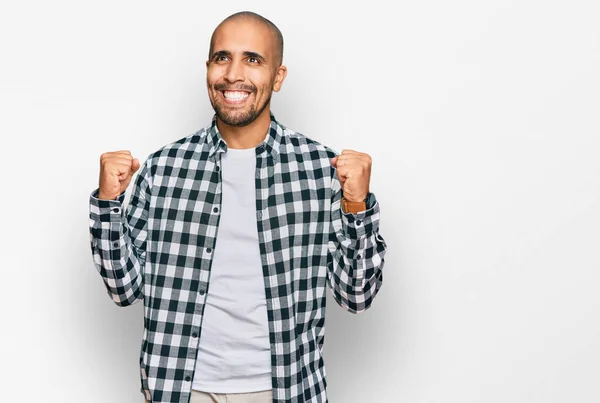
{"x":280,"y":76}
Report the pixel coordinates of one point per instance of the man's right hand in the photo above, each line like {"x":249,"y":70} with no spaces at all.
{"x":116,"y":170}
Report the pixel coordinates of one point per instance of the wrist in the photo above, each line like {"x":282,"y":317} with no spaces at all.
{"x":350,"y":206}
{"x":356,"y":199}
{"x":104,"y":196}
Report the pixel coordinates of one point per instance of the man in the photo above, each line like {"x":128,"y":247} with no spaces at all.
{"x":232,"y":236}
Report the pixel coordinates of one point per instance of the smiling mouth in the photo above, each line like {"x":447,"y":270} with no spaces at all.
{"x":235,"y":96}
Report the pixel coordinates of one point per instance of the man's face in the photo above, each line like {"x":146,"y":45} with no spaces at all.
{"x":242,"y":71}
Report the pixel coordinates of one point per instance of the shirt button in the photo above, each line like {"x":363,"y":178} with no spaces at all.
{"x":116,"y":210}
{"x":208,"y":250}
{"x":201,"y":292}
{"x":259,"y":214}
{"x":187,"y":378}
{"x":216,"y":209}
{"x":194,"y":335}
{"x":358,"y":222}
{"x":116,"y":244}
{"x":359,"y":257}
{"x":218,"y":168}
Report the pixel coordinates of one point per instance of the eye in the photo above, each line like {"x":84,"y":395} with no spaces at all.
{"x":252,"y":59}
{"x":222,"y":58}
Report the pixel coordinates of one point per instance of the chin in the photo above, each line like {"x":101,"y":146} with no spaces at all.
{"x":236,"y":120}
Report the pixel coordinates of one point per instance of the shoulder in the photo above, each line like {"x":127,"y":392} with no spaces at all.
{"x":299,"y":143}
{"x":179,"y":149}
{"x":309,"y":155}
{"x":182,"y":145}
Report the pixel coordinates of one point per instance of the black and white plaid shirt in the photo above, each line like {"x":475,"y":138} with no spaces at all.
{"x":159,"y":249}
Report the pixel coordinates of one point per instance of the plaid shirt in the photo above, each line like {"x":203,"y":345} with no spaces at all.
{"x":159,"y":249}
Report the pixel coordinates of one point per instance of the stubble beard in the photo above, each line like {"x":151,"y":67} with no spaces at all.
{"x":240,"y":119}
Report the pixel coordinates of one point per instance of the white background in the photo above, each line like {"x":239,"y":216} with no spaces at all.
{"x":482,"y":118}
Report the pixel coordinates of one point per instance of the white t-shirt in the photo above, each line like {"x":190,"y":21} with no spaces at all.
{"x":234,"y":355}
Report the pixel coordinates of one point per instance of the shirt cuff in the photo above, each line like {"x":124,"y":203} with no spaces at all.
{"x":106,"y":210}
{"x":357,"y":225}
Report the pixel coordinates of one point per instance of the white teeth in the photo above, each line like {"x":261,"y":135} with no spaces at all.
{"x":235,"y":95}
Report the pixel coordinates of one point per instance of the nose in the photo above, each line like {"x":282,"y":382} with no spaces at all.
{"x":234,"y":72}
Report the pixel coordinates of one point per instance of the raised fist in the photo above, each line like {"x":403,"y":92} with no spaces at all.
{"x":116,"y":170}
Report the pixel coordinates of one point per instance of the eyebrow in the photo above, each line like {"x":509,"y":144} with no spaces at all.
{"x":246,"y":54}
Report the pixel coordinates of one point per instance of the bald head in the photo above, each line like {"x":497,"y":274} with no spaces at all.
{"x":253,"y":17}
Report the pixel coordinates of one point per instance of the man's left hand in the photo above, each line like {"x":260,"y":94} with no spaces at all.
{"x":354,"y":172}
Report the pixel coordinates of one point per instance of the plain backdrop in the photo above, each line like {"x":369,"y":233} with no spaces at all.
{"x":482,"y":119}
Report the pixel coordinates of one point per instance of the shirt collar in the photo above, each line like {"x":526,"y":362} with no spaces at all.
{"x":271,"y":144}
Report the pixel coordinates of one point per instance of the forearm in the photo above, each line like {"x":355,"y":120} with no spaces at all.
{"x":116,"y":257}
{"x":357,"y":256}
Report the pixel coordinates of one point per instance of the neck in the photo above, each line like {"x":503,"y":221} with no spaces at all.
{"x":248,"y":136}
